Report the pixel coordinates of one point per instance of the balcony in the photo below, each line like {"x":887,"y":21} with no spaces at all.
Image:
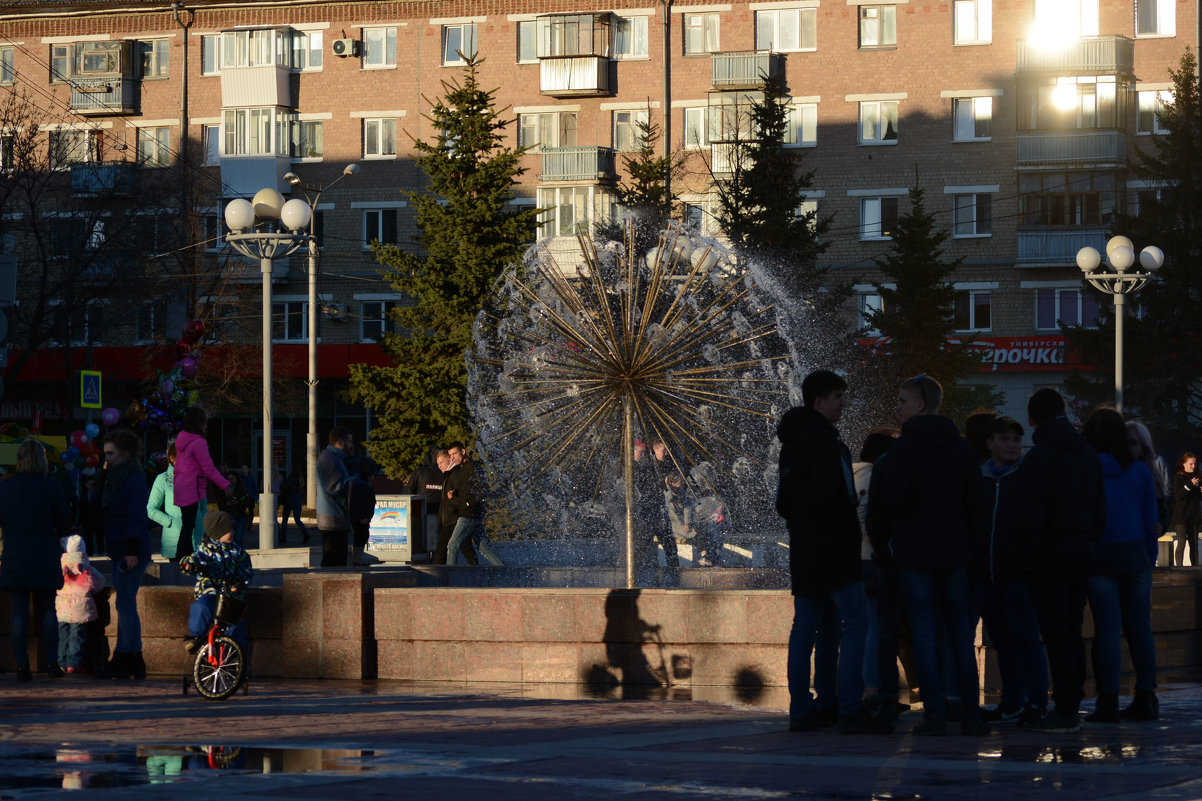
{"x":1057,"y":247}
{"x":745,"y":70}
{"x":243,"y":176}
{"x":1110,"y":55}
{"x":725,"y":156}
{"x":574,"y":76}
{"x":115,"y":179}
{"x":263,"y":85}
{"x":577,"y":164}
{"x":1071,"y":148}
{"x":108,"y":95}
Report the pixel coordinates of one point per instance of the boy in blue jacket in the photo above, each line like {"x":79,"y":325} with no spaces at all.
{"x":219,"y":565}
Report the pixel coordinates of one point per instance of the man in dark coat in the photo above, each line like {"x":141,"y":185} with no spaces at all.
{"x":1066,"y":499}
{"x":924,"y":486}
{"x":817,"y":499}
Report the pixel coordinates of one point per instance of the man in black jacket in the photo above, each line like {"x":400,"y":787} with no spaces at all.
{"x":924,"y":486}
{"x":817,"y":499}
{"x":1066,"y":499}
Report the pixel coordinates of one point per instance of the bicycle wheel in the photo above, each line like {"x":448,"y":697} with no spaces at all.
{"x":219,"y":669}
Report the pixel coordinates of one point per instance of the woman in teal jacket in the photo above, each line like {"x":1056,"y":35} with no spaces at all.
{"x":161,"y":507}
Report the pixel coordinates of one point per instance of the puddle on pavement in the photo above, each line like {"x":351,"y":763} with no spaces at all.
{"x":76,"y":768}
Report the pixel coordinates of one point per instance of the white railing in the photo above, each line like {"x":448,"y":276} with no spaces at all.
{"x":576,"y":163}
{"x":115,"y":95}
{"x":1058,"y":247}
{"x":576,"y":75}
{"x":1104,"y":54}
{"x":745,"y":70}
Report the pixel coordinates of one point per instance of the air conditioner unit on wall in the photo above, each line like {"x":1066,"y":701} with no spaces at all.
{"x":346,"y":47}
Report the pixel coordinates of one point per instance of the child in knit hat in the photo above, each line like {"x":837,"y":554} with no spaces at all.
{"x":74,"y":604}
{"x":220,"y":566}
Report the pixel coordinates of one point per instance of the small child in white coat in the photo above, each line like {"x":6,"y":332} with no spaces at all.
{"x":74,"y":604}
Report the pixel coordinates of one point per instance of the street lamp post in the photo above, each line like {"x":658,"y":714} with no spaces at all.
{"x":266,"y":229}
{"x":311,"y":448}
{"x":1120,"y":252}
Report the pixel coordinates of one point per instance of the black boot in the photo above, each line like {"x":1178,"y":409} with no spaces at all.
{"x":137,"y":667}
{"x":116,"y":668}
{"x":1107,"y":709}
{"x":1145,"y":706}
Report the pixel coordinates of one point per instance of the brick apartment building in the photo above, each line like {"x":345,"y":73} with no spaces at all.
{"x":1019,"y":118}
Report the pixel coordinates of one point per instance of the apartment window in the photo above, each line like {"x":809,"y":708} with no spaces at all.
{"x":73,"y":147}
{"x":630,"y":37}
{"x":1067,"y":199}
{"x":972,"y":215}
{"x":1147,"y":119}
{"x":700,"y":34}
{"x":706,"y":125}
{"x":77,"y":325}
{"x":156,"y":57}
{"x":973,"y":22}
{"x":259,"y":48}
{"x":1054,"y":307}
{"x":306,"y":50}
{"x":211,"y":135}
{"x":375,"y":319}
{"x":573,"y":35}
{"x":6,"y":65}
{"x":308,"y":139}
{"x":60,"y":63}
{"x":1155,"y":17}
{"x":694,"y":218}
{"x":786,"y":30}
{"x":379,"y":138}
{"x":972,"y":311}
{"x":1058,"y":20}
{"x":878,"y":217}
{"x":458,"y":43}
{"x":629,"y":128}
{"x":256,"y":131}
{"x":290,"y":321}
{"x":379,"y":225}
{"x":971,"y":118}
{"x":210,"y":63}
{"x":696,"y":129}
{"x":878,"y":26}
{"x":808,"y":210}
{"x":527,"y":42}
{"x":801,"y":124}
{"x":379,"y":48}
{"x":154,"y":147}
{"x":150,"y":324}
{"x":548,"y":129}
{"x":868,"y":304}
{"x":1069,"y":102}
{"x":569,"y":208}
{"x":878,"y":121}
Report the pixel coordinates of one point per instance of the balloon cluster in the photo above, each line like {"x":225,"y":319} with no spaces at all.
{"x":82,"y":453}
{"x":174,"y":390}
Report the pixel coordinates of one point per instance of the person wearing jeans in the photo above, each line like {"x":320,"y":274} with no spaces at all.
{"x":464,"y":494}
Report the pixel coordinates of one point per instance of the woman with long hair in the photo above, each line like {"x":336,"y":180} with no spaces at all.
{"x":1186,"y":514}
{"x":1120,"y":576}
{"x":161,"y":508}
{"x":33,"y":515}
{"x":127,"y":542}
{"x":1139,"y":438}
{"x":193,"y":465}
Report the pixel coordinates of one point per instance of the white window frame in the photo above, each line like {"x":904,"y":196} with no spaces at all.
{"x":307,"y":51}
{"x":807,"y":17}
{"x":883,"y":13}
{"x":878,"y":109}
{"x":973,"y":19}
{"x":701,"y":25}
{"x":872,"y":215}
{"x":379,"y":48}
{"x":381,"y":128}
{"x":7,"y":65}
{"x":598,"y":204}
{"x":1165,"y":12}
{"x":1057,"y":21}
{"x":1061,"y":295}
{"x":467,"y":39}
{"x":298,"y":140}
{"x":210,"y":138}
{"x":86,"y":311}
{"x":538,"y":130}
{"x":527,"y":33}
{"x":868,"y":298}
{"x":801,"y":125}
{"x":696,"y":118}
{"x":256,"y":132}
{"x":210,"y":54}
{"x":972,"y":293}
{"x":87,"y":141}
{"x":966,"y":110}
{"x":1158,"y":98}
{"x":629,"y":119}
{"x":285,"y":304}
{"x":966,"y":209}
{"x":259,"y":47}
{"x":158,"y":53}
{"x":154,"y":147}
{"x":636,"y":46}
{"x":374,"y":225}
{"x":371,"y":317}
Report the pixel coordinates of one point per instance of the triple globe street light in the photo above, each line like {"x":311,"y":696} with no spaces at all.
{"x":1119,"y":283}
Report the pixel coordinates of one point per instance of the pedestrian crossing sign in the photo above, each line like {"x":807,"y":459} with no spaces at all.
{"x":89,"y":389}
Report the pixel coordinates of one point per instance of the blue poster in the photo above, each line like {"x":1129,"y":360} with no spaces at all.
{"x":396,"y":519}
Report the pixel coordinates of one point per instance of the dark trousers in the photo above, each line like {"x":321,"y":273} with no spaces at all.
{"x":333,"y":547}
{"x":444,"y":539}
{"x":295,"y":510}
{"x":1058,"y":595}
{"x":43,"y":604}
{"x":184,"y":548}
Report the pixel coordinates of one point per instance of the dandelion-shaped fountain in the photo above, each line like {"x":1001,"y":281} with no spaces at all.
{"x":680,"y":345}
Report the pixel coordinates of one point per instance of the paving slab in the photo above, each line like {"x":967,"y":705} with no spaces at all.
{"x":351,"y":740}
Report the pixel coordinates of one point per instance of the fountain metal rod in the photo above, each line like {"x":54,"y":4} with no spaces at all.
{"x":628,"y":470}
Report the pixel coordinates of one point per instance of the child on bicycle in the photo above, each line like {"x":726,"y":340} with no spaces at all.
{"x":220,"y":566}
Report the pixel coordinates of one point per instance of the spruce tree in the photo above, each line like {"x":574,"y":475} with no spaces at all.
{"x":469,"y":235}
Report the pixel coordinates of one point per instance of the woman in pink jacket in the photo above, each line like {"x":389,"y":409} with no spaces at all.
{"x":192,"y":466}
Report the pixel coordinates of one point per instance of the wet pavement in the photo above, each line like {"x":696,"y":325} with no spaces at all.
{"x":367,"y":740}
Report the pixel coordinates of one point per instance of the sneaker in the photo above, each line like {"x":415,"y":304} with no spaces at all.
{"x":1144,"y":707}
{"x":861,"y":722}
{"x":933,"y":727}
{"x":192,"y":644}
{"x":1055,"y":723}
{"x":1002,"y":713}
{"x":1030,"y":714}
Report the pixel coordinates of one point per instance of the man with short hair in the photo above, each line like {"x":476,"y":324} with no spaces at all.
{"x":817,"y":498}
{"x":1065,"y":495}
{"x":924,"y":488}
{"x":333,"y":486}
{"x":464,"y":491}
